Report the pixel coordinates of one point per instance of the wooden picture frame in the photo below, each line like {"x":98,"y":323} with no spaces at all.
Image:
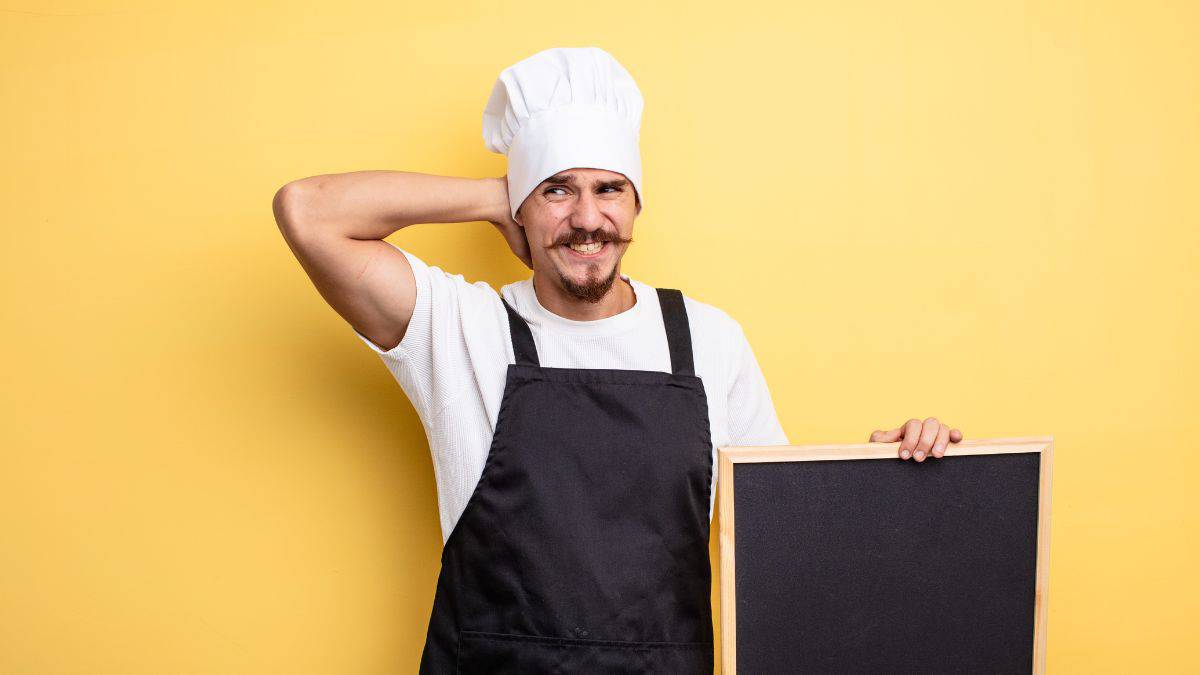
{"x":729,"y":457}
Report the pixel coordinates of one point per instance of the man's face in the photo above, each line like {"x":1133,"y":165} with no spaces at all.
{"x":579,"y":223}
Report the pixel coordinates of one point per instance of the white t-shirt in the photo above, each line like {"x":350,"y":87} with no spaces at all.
{"x":455,"y":353}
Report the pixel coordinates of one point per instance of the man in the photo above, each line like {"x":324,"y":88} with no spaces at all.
{"x":573,"y":417}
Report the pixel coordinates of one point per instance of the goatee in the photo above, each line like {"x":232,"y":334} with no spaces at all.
{"x":593,"y":289}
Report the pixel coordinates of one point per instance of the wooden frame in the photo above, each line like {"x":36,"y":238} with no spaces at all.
{"x":728,"y":456}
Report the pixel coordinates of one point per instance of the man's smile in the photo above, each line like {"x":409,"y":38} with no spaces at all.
{"x":589,"y":251}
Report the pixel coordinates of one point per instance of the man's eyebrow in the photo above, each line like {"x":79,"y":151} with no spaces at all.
{"x":562,"y":179}
{"x":569,"y":179}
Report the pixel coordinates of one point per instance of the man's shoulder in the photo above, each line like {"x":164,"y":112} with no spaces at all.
{"x":449,"y":295}
{"x":708,"y":318}
{"x":717,"y":338}
{"x":703,"y":317}
{"x":436,"y":274}
{"x":448,"y":304}
{"x":518,"y":293}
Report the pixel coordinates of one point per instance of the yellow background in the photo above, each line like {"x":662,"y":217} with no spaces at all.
{"x":982,"y":211}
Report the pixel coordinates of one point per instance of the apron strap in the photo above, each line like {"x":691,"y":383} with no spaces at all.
{"x":679,"y":334}
{"x":522,"y":339}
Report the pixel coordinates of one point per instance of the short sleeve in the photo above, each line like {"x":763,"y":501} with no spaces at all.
{"x":431,"y":362}
{"x":752,"y":417}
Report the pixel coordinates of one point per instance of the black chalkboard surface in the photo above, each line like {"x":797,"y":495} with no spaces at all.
{"x":846,"y":559}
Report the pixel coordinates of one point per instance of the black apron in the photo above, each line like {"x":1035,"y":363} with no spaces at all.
{"x":584,"y":547}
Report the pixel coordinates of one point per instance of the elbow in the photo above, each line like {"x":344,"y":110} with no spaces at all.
{"x":288,"y":207}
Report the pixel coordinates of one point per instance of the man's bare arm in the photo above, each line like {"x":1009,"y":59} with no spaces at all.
{"x":335,"y":225}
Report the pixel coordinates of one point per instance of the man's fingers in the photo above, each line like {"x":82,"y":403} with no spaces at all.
{"x":929,"y":432}
{"x":919,"y":439}
{"x":881,"y":436}
{"x":912,"y":433}
{"x":943,"y":439}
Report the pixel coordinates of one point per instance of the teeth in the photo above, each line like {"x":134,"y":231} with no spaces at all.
{"x":587,"y":248}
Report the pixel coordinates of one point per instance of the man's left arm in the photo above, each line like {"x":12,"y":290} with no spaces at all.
{"x":752,"y":417}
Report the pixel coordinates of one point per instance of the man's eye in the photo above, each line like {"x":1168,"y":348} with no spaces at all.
{"x":606,"y":187}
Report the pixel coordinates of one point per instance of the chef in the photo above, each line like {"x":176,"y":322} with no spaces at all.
{"x":573,"y":417}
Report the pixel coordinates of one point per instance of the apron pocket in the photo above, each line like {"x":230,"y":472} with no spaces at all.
{"x":503,"y":653}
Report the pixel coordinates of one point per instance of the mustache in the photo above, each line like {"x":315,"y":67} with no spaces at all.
{"x":584,"y":237}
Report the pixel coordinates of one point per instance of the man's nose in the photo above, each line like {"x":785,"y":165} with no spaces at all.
{"x":587,"y":215}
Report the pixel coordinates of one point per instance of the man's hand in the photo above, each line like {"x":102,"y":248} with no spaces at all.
{"x":512,"y":232}
{"x":919,"y":440}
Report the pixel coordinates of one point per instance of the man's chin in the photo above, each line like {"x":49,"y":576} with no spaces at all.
{"x":591,"y":286}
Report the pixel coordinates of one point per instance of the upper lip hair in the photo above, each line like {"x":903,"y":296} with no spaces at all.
{"x":597,"y":238}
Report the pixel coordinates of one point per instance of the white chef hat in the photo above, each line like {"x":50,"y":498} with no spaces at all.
{"x":563,"y":108}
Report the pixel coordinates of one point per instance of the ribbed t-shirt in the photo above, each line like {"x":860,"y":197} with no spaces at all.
{"x":453,"y":358}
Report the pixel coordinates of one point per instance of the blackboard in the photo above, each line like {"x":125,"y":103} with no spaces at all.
{"x":844,"y":558}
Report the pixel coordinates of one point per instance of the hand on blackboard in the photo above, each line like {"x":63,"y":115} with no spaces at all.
{"x":919,"y":439}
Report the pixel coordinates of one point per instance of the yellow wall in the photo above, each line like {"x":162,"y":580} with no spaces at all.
{"x":984,"y":211}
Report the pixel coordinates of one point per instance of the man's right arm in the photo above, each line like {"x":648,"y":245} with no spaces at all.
{"x":335,"y":225}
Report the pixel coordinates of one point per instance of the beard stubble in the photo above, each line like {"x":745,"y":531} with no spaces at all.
{"x":594,"y":288}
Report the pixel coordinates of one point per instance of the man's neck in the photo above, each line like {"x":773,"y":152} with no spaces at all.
{"x":621,"y":297}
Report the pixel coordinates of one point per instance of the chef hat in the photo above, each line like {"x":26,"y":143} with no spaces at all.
{"x":563,"y":108}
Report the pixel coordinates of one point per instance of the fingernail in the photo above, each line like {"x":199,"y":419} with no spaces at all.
{"x":920,"y":455}
{"x":904,"y":454}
